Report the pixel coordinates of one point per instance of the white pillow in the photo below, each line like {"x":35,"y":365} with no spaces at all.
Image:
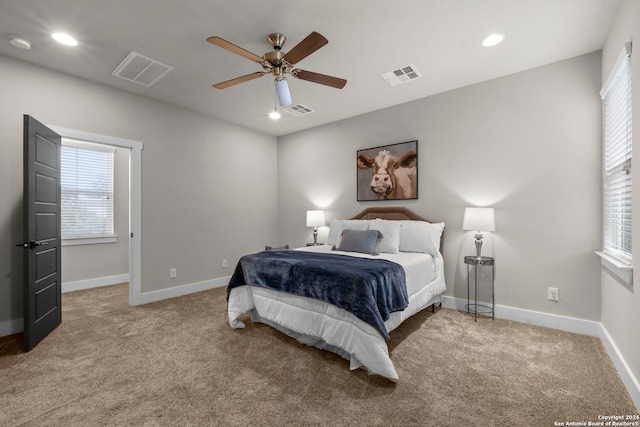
{"x":336,"y":226}
{"x":390,"y":242}
{"x":421,"y":236}
{"x":335,"y":229}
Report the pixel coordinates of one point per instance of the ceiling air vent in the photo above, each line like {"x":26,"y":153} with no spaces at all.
{"x":402,"y":75}
{"x":141,"y":69}
{"x":298,"y":110}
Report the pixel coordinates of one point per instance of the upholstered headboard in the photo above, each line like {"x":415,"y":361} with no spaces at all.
{"x":394,"y":213}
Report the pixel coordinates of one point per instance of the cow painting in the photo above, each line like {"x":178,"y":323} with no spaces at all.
{"x":389,"y":172}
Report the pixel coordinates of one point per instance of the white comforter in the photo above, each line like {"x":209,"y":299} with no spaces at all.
{"x":323,"y":325}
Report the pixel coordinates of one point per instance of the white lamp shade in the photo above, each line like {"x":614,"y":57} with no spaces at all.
{"x":479,"y":219}
{"x":282,"y":89}
{"x":315,"y":218}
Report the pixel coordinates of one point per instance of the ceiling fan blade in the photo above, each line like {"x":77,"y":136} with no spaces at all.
{"x":235,"y":49}
{"x":322,"y":79}
{"x":237,"y":80}
{"x":306,"y":47}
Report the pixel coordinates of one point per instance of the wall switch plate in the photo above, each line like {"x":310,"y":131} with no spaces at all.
{"x":552,"y":294}
{"x":224,"y":263}
{"x":172,"y":273}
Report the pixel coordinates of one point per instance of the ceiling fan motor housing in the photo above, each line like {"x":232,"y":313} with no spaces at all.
{"x":274,"y":58}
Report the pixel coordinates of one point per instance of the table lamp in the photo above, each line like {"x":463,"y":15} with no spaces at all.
{"x":479,"y":220}
{"x":315,"y":219}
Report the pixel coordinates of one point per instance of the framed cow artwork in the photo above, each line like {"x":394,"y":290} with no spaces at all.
{"x":389,"y":172}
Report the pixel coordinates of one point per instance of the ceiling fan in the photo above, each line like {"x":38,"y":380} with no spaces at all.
{"x":279,"y":63}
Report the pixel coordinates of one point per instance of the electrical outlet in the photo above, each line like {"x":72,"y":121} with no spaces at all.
{"x":224,"y":263}
{"x":172,"y":273}
{"x":552,"y":294}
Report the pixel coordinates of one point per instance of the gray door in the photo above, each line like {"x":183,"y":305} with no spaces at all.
{"x":42,"y":249}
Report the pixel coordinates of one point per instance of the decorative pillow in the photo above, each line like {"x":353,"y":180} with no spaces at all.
{"x":363,"y":241}
{"x":420,"y":236}
{"x":271,"y":248}
{"x":336,"y":226}
{"x":390,"y":242}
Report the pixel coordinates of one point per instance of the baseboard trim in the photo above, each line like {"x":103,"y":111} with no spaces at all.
{"x":567,"y":324}
{"x":178,"y":291}
{"x":10,"y":327}
{"x":563,"y":323}
{"x":628,"y":379}
{"x":94,"y":283}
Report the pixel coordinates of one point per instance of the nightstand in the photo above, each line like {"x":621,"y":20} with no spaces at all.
{"x":475,"y":308}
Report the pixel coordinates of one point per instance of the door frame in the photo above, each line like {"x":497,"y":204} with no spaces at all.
{"x":135,"y":200}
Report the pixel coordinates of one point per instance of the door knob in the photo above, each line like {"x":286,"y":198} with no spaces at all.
{"x":32,"y":244}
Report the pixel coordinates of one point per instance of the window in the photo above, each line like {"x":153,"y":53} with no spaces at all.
{"x":617,"y":212}
{"x":86,"y":181}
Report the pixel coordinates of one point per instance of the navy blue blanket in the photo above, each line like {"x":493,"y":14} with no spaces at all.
{"x":371,"y":289}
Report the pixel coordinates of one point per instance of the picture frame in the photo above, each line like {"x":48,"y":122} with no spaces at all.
{"x":388,"y":172}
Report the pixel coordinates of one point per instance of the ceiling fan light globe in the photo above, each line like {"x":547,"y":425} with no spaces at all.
{"x":282,"y":89}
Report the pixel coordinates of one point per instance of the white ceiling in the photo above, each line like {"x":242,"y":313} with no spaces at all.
{"x":442,"y":38}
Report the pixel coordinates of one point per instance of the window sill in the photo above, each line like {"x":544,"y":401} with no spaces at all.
{"x":616,"y":267}
{"x":89,"y":240}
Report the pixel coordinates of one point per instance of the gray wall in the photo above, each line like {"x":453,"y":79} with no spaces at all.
{"x":527,"y":144}
{"x":87,"y":262}
{"x":198,"y":204}
{"x":620,"y":302}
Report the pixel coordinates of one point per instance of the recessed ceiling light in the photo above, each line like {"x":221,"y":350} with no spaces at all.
{"x":274,"y":115}
{"x":65,"y":39}
{"x":19,"y":42}
{"x":492,"y":40}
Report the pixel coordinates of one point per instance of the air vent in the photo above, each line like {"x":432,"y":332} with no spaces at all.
{"x":141,"y":69}
{"x":298,"y":110}
{"x":402,"y":75}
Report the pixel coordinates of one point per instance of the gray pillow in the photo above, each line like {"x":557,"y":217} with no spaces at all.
{"x":363,"y":241}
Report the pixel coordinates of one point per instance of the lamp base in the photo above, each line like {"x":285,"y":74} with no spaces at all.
{"x":478,"y":242}
{"x":315,"y":235}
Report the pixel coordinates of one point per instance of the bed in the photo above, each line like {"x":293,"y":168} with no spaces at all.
{"x":403,"y":238}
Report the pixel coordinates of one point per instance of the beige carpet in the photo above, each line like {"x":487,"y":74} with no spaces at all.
{"x":177,"y":363}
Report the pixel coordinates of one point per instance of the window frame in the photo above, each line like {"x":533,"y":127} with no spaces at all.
{"x":616,"y":254}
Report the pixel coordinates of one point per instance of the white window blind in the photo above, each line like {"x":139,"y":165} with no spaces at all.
{"x":86,"y":181}
{"x":617,"y":212}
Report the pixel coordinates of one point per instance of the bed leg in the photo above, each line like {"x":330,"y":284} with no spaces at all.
{"x":433,"y":306}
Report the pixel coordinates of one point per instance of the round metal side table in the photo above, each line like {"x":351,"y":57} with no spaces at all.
{"x":475,"y":307}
